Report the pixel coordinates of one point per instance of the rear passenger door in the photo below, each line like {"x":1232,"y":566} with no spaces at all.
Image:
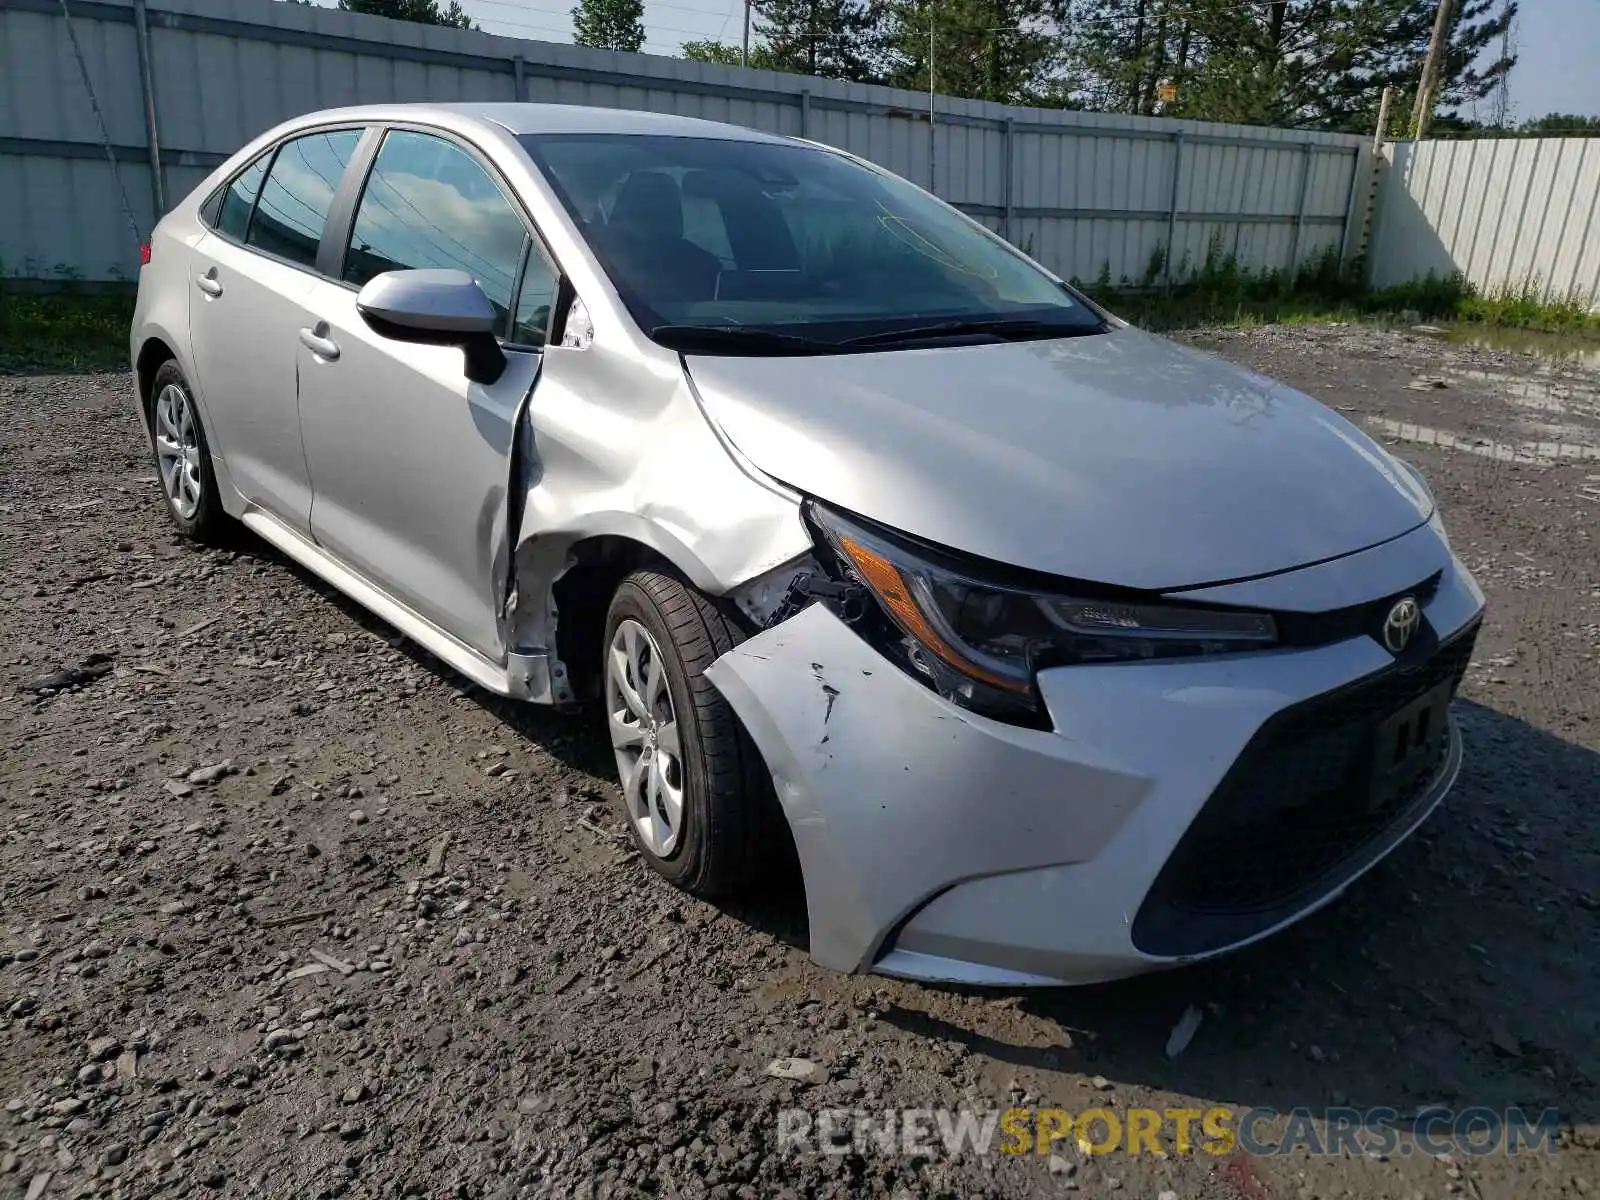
{"x":409,"y":458}
{"x":250,"y":274}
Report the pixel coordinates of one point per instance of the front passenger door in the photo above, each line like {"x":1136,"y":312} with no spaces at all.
{"x":409,"y":459}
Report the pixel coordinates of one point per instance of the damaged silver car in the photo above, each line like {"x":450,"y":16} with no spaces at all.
{"x":1054,"y":651}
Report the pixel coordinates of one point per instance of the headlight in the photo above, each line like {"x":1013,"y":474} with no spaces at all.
{"x":980,"y":643}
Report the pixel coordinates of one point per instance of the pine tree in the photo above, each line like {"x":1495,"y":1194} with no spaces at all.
{"x":1307,"y":63}
{"x":426,"y":12}
{"x":1004,"y":50}
{"x":837,"y":39}
{"x":609,"y":24}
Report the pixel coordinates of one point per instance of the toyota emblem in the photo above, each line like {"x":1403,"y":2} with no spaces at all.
{"x":1401,"y":624}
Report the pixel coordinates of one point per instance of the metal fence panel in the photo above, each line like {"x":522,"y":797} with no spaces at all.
{"x":1512,"y":215}
{"x":1086,"y":193}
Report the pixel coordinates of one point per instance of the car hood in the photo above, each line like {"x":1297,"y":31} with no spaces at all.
{"x":1121,"y":458}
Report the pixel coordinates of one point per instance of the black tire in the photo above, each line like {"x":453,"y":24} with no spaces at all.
{"x":208,"y":524}
{"x":727,"y":801}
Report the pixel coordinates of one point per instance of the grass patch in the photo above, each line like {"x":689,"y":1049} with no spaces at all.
{"x":1220,"y":292}
{"x":1529,"y":312}
{"x":65,"y":332}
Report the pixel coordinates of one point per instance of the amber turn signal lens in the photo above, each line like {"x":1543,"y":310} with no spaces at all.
{"x":884,"y":578}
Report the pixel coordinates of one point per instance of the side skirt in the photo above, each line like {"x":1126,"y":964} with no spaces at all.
{"x":484,"y":672}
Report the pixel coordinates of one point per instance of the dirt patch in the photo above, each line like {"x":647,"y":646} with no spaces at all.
{"x":288,"y":909}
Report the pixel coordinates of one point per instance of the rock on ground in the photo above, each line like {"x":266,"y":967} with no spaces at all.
{"x":522,"y":1008}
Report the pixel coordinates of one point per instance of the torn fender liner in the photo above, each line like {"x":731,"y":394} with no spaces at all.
{"x":894,"y":794}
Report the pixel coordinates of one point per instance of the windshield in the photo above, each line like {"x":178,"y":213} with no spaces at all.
{"x":760,"y":247}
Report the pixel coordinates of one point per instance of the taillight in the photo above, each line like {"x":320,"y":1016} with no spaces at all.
{"x":144,"y":255}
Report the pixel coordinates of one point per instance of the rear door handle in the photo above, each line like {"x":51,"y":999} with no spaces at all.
{"x":319,"y":344}
{"x":208,"y":283}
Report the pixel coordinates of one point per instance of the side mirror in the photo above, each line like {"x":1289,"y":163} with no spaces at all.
{"x":436,"y":308}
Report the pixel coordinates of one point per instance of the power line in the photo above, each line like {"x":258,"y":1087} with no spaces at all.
{"x":520,"y":29}
{"x":523,"y":8}
{"x":710,"y":12}
{"x":649,"y":27}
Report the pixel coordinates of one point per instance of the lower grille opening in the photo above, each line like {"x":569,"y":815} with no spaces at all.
{"x":1309,"y":795}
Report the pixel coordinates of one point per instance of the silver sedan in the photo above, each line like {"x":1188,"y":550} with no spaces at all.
{"x":1050,"y":650}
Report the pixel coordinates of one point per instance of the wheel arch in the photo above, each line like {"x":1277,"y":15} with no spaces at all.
{"x":158,"y":344}
{"x":580,"y":595}
{"x":152,"y":353}
{"x":565,"y":579}
{"x":558,"y":570}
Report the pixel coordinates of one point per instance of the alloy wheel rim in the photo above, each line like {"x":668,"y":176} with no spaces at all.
{"x":644,"y":734}
{"x":178,"y":450}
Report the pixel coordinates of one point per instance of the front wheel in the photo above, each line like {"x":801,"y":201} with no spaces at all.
{"x":693,"y":785}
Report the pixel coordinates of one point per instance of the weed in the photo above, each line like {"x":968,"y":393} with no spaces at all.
{"x":63,"y":331}
{"x":1221,"y":292}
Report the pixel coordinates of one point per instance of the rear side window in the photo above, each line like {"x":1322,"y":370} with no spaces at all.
{"x":429,"y":204}
{"x":298,"y":193}
{"x":239,"y":197}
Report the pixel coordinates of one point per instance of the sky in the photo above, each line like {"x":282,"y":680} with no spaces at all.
{"x":1558,"y":51}
{"x":1559,"y":41}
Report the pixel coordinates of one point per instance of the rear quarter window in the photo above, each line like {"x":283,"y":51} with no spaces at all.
{"x":238,"y":199}
{"x":212,"y":206}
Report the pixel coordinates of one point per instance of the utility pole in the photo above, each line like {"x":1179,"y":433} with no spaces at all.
{"x":933,"y":174}
{"x":1381,"y":134}
{"x":1502,"y":101}
{"x":744,"y":46}
{"x":1438,"y":47}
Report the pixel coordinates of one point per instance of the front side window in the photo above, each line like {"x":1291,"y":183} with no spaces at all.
{"x":429,"y":204}
{"x":730,"y":237}
{"x":298,"y":193}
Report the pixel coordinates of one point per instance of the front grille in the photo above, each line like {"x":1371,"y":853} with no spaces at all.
{"x":1292,"y":813}
{"x":1318,"y":629}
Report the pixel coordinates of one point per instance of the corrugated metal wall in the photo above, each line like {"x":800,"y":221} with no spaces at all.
{"x":1083,"y":192}
{"x":1511,"y":214}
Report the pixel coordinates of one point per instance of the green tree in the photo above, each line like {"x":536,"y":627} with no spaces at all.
{"x":1127,"y":49}
{"x":609,"y":24}
{"x":726,"y":55}
{"x":1309,"y":63}
{"x":1561,"y":123}
{"x":1011,"y":51}
{"x":837,"y":39}
{"x":426,"y":12}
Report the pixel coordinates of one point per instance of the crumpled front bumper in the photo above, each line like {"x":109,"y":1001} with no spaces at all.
{"x":938,"y":844}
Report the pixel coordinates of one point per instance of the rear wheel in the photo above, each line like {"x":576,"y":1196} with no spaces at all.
{"x":183,"y":457}
{"x":694,"y":790}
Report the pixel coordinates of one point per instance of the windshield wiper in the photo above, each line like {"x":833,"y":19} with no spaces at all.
{"x":741,"y":337}
{"x":998,"y":326}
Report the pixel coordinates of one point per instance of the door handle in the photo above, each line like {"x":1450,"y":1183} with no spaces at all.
{"x":208,"y":283}
{"x":319,"y":344}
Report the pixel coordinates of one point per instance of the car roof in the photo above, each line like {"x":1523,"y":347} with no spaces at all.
{"x":557,"y":118}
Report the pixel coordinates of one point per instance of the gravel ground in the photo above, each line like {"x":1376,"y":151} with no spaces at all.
{"x":287,"y":909}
